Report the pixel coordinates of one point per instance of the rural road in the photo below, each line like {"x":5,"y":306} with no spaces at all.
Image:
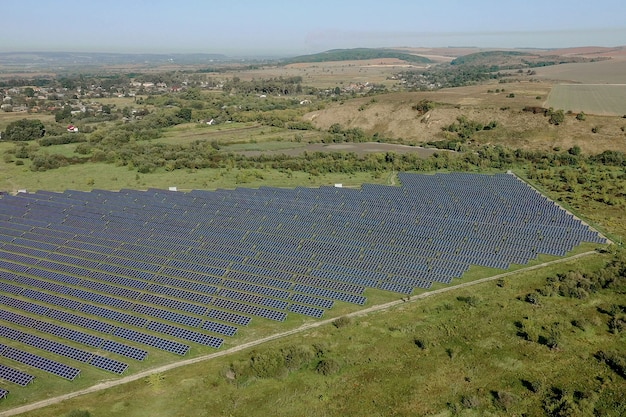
{"x":305,"y":327}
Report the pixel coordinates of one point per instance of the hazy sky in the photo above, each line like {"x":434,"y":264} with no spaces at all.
{"x":287,"y":27}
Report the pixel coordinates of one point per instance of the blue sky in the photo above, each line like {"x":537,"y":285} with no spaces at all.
{"x":288,"y":27}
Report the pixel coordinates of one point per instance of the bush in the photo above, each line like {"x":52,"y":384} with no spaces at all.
{"x":421,"y":343}
{"x":267,"y":364}
{"x":471,"y":300}
{"x":327,"y":367}
{"x":504,"y":399}
{"x":532,"y":298}
{"x":342,"y":321}
{"x":556,"y":117}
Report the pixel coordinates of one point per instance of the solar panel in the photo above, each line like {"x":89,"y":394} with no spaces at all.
{"x":42,"y":363}
{"x":150,"y":340}
{"x":108,"y":364}
{"x":13,"y":375}
{"x":229,"y":317}
{"x":124,"y":350}
{"x":190,"y":335}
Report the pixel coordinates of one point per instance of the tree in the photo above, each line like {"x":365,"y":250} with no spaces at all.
{"x":29,"y":92}
{"x":185,"y":114}
{"x":23,"y":130}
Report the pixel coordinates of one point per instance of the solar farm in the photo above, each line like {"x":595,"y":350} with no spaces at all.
{"x":105,"y":279}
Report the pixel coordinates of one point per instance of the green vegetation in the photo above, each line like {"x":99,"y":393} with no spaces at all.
{"x":24,"y":130}
{"x":358,"y":54}
{"x":543,"y":342}
{"x":479,"y":58}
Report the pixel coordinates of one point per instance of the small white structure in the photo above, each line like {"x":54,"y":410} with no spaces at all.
{"x":339,"y":185}
{"x":173,"y":189}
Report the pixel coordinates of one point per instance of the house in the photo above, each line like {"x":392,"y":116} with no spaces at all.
{"x":72,"y":129}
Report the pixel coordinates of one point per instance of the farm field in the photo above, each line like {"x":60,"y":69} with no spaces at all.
{"x":600,"y":99}
{"x":612,"y":71}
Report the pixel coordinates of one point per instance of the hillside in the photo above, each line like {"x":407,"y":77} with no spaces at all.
{"x":357,"y":54}
{"x":508,"y":59}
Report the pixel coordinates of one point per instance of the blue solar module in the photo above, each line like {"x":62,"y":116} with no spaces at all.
{"x":81,"y":321}
{"x":101,"y":299}
{"x":23,"y":305}
{"x":326,"y":293}
{"x":198,"y":297}
{"x":114,"y":315}
{"x":306,"y":310}
{"x":3,"y":393}
{"x":314,"y":301}
{"x":108,"y":364}
{"x":252,"y":310}
{"x":219,"y":328}
{"x":176,"y":304}
{"x":150,"y":340}
{"x":13,"y":375}
{"x":229,"y":317}
{"x":253,"y":299}
{"x":167,"y":315}
{"x":124,"y":350}
{"x":42,"y":363}
{"x":51,"y":299}
{"x":185,"y":334}
{"x":56,"y":347}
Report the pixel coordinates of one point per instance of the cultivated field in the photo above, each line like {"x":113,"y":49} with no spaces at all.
{"x":601,"y":99}
{"x":612,"y":71}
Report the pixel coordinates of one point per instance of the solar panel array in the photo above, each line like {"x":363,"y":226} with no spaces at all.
{"x":165,"y":269}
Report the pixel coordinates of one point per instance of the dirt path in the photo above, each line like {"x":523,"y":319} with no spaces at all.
{"x":308,"y":326}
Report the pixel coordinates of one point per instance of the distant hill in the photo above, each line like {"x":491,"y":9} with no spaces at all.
{"x":357,"y":54}
{"x":517,"y":59}
{"x":489,"y":57}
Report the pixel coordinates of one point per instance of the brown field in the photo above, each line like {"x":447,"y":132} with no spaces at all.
{"x":612,"y":71}
{"x":601,"y":99}
{"x":391,"y":115}
{"x":327,"y":74}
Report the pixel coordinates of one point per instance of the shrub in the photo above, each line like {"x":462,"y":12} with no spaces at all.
{"x":297,"y":357}
{"x":504,"y":399}
{"x":421,"y":343}
{"x":268,"y":364}
{"x":327,"y":367}
{"x":532,"y":386}
{"x":581,"y":116}
{"x":532,"y":298}
{"x":342,"y":321}
{"x":471,"y":300}
{"x":556,"y":117}
{"x":470,"y":401}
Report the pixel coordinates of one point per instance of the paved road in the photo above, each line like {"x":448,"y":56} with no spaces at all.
{"x":305,"y":327}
